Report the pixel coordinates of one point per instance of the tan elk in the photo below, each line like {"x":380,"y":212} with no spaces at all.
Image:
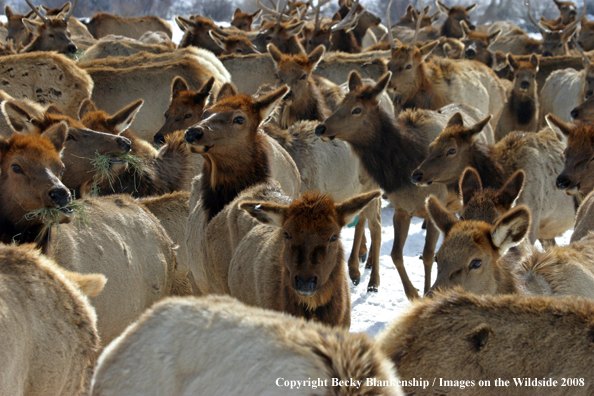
{"x":102,"y":24}
{"x":208,"y":334}
{"x":541,"y":337}
{"x":17,"y":32}
{"x":243,"y":20}
{"x":451,"y":26}
{"x":477,"y":45}
{"x":233,"y":43}
{"x":520,"y":112}
{"x":51,"y":34}
{"x":196,"y":33}
{"x":538,"y":154}
{"x":409,"y":19}
{"x":122,"y":46}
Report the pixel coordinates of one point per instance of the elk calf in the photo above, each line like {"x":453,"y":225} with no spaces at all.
{"x":243,"y":21}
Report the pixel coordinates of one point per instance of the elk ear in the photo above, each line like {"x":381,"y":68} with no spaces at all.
{"x":409,"y":10}
{"x":471,"y":7}
{"x":274,"y":52}
{"x":445,"y":9}
{"x":266,"y":212}
{"x":8,"y":12}
{"x":316,"y":55}
{"x":255,"y":14}
{"x":295,"y":29}
{"x":381,"y":85}
{"x":559,"y":126}
{"x":267,"y":103}
{"x":426,"y":49}
{"x":217,"y":38}
{"x":349,"y":209}
{"x":465,"y":29}
{"x":237,"y":11}
{"x":512,"y":62}
{"x":54,"y":109}
{"x":178,"y":85}
{"x":336,"y":17}
{"x":124,"y":118}
{"x":511,"y":189}
{"x":470,"y":182}
{"x":534,"y":61}
{"x":435,"y":17}
{"x":32,"y":26}
{"x":205,"y":89}
{"x":493,"y":36}
{"x":455,"y":120}
{"x":227,"y":89}
{"x":355,"y":81}
{"x":87,"y":106}
{"x":89,"y":284}
{"x":479,"y":126}
{"x":57,"y":134}
{"x":441,"y":217}
{"x":511,"y":228}
{"x":18,"y":118}
{"x":184,"y":24}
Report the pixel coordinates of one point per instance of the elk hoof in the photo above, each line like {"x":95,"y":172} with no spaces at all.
{"x":368,"y":265}
{"x":362,"y":258}
{"x":371,"y":289}
{"x":356,"y":280}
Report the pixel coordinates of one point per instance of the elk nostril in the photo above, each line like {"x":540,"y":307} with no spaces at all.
{"x":525,"y":84}
{"x":60,"y":197}
{"x":159,"y":139}
{"x":470,"y":53}
{"x":574,"y":113}
{"x":194,"y":135}
{"x":72,"y":48}
{"x":320,"y":129}
{"x":472,"y":27}
{"x":306,"y":285}
{"x":416,"y":177}
{"x":562,"y":182}
{"x":124,"y":144}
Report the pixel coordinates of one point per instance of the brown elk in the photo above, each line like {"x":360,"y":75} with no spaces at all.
{"x":30,"y":173}
{"x":243,"y":21}
{"x":80,"y":147}
{"x":283,"y":35}
{"x":544,"y":338}
{"x":234,"y":43}
{"x":451,"y":26}
{"x":584,"y":113}
{"x":102,"y":24}
{"x":409,"y":19}
{"x":576,"y":177}
{"x":520,"y":112}
{"x":555,"y":42}
{"x":365,"y":19}
{"x":51,"y":34}
{"x":476,"y":45}
{"x":196,"y":33}
{"x":161,"y":172}
{"x":17,"y":32}
{"x":567,"y":13}
{"x":185,"y":108}
{"x":536,"y":153}
{"x":585,"y":37}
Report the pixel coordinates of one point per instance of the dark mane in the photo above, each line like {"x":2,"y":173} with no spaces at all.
{"x":524,"y":110}
{"x":491,"y":173}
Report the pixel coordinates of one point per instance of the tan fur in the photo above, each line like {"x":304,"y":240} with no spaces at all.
{"x":584,"y":219}
{"x":148,"y":77}
{"x":287,"y":348}
{"x":517,"y":42}
{"x":46,"y":78}
{"x":32,"y":108}
{"x":139,"y":266}
{"x":103,"y":24}
{"x":585,"y":37}
{"x":49,"y":343}
{"x":502,"y":337}
{"x":121,"y":46}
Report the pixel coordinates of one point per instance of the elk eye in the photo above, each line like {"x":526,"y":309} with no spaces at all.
{"x":356,"y":110}
{"x":17,"y":169}
{"x":276,"y":76}
{"x":303,"y":77}
{"x":334,"y":238}
{"x":239,"y":51}
{"x":287,"y":236}
{"x":188,"y":115}
{"x":534,"y":76}
{"x":51,"y":36}
{"x":268,"y":38}
{"x":70,"y":137}
{"x":451,"y":152}
{"x":62,"y":170}
{"x":474,"y":264}
{"x":408,"y":67}
{"x":238,"y":120}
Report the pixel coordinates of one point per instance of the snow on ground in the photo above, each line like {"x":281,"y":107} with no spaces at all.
{"x":371,"y":312}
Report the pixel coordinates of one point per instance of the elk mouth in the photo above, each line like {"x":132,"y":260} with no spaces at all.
{"x":308,"y":294}
{"x":327,"y":139}
{"x":66,"y":211}
{"x":573,"y":190}
{"x":114,"y":160}
{"x":199,"y":148}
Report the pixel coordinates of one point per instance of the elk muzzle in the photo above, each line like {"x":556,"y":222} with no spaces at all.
{"x":563,"y":182}
{"x":306,"y":287}
{"x":159,"y":139}
{"x":194,"y":135}
{"x":575,"y":113}
{"x":320,"y":131}
{"x":71,"y":48}
{"x":59,"y":196}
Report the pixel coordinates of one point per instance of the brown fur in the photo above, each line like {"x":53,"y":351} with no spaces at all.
{"x":451,"y":26}
{"x":409,"y":19}
{"x":502,"y":337}
{"x":517,"y":42}
{"x":46,"y":78}
{"x":584,"y":113}
{"x":243,"y":20}
{"x":476,"y":45}
{"x":234,"y":43}
{"x":283,"y":35}
{"x":16,"y":29}
{"x":584,"y":219}
{"x":49,"y":35}
{"x":103,"y":24}
{"x":585,"y":37}
{"x":121,"y":46}
{"x":196,"y":33}
{"x":202,"y":333}
{"x":366,"y":21}
{"x":537,"y":154}
{"x":49,"y":335}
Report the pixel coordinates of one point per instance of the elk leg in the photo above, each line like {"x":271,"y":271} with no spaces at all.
{"x":374,"y":215}
{"x":431,"y":239}
{"x":401,"y":226}
{"x":363,"y":253}
{"x":353,"y":262}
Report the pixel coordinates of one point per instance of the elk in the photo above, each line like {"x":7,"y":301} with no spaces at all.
{"x":17,"y":32}
{"x":51,"y":34}
{"x":555,"y":43}
{"x":342,"y":37}
{"x":409,"y":19}
{"x":575,"y":178}
{"x":185,"y":108}
{"x":584,"y":219}
{"x":491,"y":332}
{"x":196,"y":33}
{"x":520,"y":112}
{"x":122,"y":46}
{"x":567,"y":13}
{"x":214,"y":325}
{"x":516,"y":42}
{"x":243,"y":21}
{"x":389,"y":150}
{"x":50,"y":342}
{"x":234,"y":43}
{"x":585,"y":37}
{"x":476,"y":45}
{"x":282,"y":34}
{"x":430,"y":84}
{"x":584,"y":113}
{"x":539,"y":155}
{"x":365,"y":19}
{"x":456,"y":14}
{"x":102,"y":24}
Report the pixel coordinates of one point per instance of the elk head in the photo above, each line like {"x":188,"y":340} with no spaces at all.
{"x":585,"y":37}
{"x":196,"y":33}
{"x":365,"y":19}
{"x":584,"y":113}
{"x":456,"y":14}
{"x":409,"y":19}
{"x":449,"y":154}
{"x":185,"y":108}
{"x":567,"y":11}
{"x":469,"y":254}
{"x":283,"y":35}
{"x":524,"y":75}
{"x":310,"y":228}
{"x":51,"y":33}
{"x":233,"y":43}
{"x":17,"y":32}
{"x":476,"y":44}
{"x":243,"y":21}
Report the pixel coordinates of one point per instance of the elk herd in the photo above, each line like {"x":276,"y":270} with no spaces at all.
{"x":170,"y":214}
